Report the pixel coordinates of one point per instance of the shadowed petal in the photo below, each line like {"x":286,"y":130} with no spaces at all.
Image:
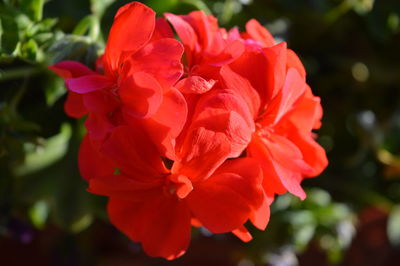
{"x":92,"y":163}
{"x":161,"y":224}
{"x":74,"y":105}
{"x":224,"y":201}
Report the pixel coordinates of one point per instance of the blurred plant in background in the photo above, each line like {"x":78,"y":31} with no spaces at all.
{"x":352,"y":213}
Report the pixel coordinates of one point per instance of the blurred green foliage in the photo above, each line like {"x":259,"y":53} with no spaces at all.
{"x":350,"y":50}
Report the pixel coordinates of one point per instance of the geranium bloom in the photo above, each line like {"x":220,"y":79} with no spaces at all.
{"x":210,"y":147}
{"x":134,"y":79}
{"x":284,"y":110}
{"x":155,"y":206}
{"x":207,"y":48}
{"x":271,"y":79}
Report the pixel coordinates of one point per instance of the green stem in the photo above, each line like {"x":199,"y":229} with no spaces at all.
{"x":338,"y":11}
{"x":20,"y":72}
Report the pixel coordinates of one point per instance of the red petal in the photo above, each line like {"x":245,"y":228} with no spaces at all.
{"x":242,"y":87}
{"x":286,"y":153}
{"x":71,"y":69}
{"x":161,"y":224}
{"x":133,"y":153}
{"x":162,"y":30}
{"x":271,"y":181}
{"x":221,"y":128}
{"x":98,"y":126}
{"x":307,"y":112}
{"x":243,"y":234}
{"x":287,"y":163}
{"x":141,"y":94}
{"x":92,"y":163}
{"x":265,"y":70}
{"x":313,"y":154}
{"x":205,"y":27}
{"x":195,"y":84}
{"x":224,"y":201}
{"x":231,"y":52}
{"x":161,"y":59}
{"x":203,"y":151}
{"x":132,"y":28}
{"x":293,"y":61}
{"x":293,"y":88}
{"x":167,"y":123}
{"x":101,"y":102}
{"x":277,"y":58}
{"x":259,"y":33}
{"x":183,"y":185}
{"x":184,"y":30}
{"x":123,"y":187}
{"x":261,"y":214}
{"x":85,"y":84}
{"x":74,"y":106}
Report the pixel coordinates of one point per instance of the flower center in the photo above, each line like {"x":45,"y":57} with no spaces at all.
{"x":177,"y":185}
{"x":263,"y":131}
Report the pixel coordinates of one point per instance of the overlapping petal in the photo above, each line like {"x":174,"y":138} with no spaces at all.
{"x":223,"y":202}
{"x":132,"y":28}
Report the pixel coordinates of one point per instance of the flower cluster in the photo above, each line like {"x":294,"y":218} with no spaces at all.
{"x":198,"y":132}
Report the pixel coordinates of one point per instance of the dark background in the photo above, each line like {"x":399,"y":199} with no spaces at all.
{"x":352,"y":214}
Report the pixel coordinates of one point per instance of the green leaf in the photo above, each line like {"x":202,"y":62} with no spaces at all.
{"x":73,"y":47}
{"x":54,"y":90}
{"x":51,"y":151}
{"x":303,"y":236}
{"x":89,"y":24}
{"x":362,"y":7}
{"x":317,"y":197}
{"x":1,"y":32}
{"x":162,"y":6}
{"x":33,"y":8}
{"x":29,"y":50}
{"x":100,"y":6}
{"x":38,"y":213}
{"x":199,"y":4}
{"x":393,"y":226}
{"x":82,"y":223}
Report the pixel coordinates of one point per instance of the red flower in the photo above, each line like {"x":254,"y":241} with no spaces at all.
{"x":140,"y":64}
{"x":207,"y":48}
{"x":271,"y":79}
{"x":213,"y":153}
{"x":155,"y":206}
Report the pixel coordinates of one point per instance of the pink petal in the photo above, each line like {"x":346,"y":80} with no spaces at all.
{"x":85,"y":84}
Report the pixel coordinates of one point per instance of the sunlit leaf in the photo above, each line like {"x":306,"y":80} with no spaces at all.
{"x":38,"y":213}
{"x":100,"y":6}
{"x":33,"y":8}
